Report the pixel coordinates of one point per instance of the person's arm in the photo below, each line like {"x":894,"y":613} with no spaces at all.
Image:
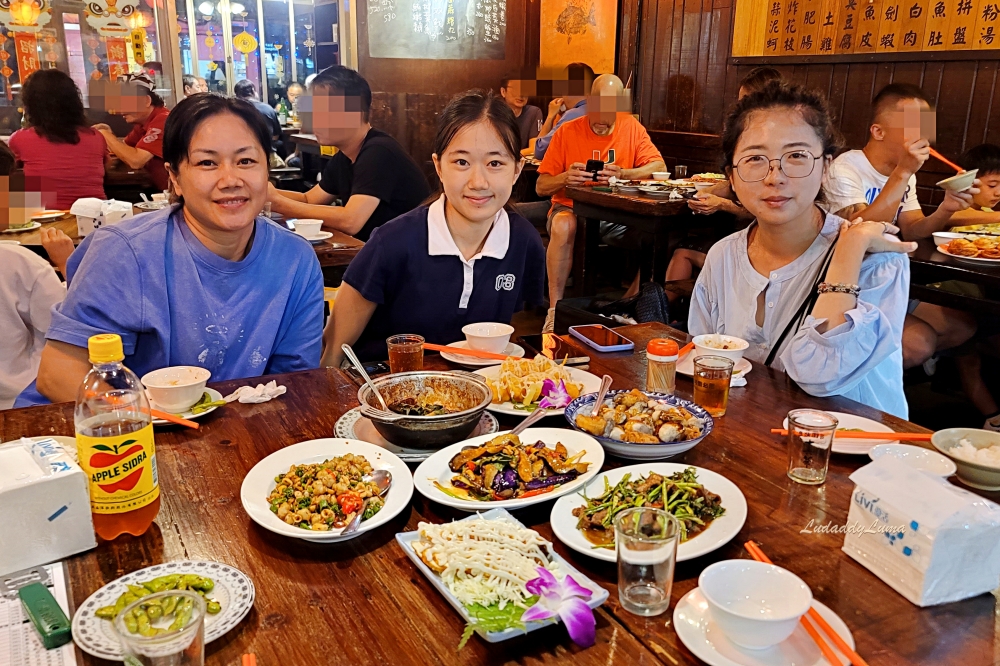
{"x":639,"y":173}
{"x":351,"y":313}
{"x":349,"y":218}
{"x":972,"y":216}
{"x":547,"y":185}
{"x":914,"y":226}
{"x":136,"y":158}
{"x":553,"y":116}
{"x":703,"y":314}
{"x":61,"y":371}
{"x":58,"y":246}
{"x":886,"y":204}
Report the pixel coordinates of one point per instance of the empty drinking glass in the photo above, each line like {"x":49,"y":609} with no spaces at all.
{"x":681,"y":171}
{"x":163,"y":629}
{"x":810,"y":438}
{"x":647,"y":541}
{"x":266,"y":212}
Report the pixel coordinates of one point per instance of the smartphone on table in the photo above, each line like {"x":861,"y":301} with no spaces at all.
{"x":601,"y":338}
{"x":553,"y":347}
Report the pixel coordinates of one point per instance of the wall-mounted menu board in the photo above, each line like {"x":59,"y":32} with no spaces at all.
{"x":835,"y":27}
{"x":438,"y":29}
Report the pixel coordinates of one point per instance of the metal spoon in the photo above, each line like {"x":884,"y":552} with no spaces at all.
{"x":383,"y":479}
{"x":361,"y":370}
{"x":605,"y":385}
{"x":532,"y":418}
{"x":144,"y":197}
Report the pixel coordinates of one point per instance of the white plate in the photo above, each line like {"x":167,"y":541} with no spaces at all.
{"x":517,"y":351}
{"x":189,"y":415}
{"x":918,"y":457}
{"x":406,"y":539}
{"x":320,"y":237}
{"x":352,"y":425}
{"x":152,"y":205}
{"x":9,"y":242}
{"x":968,"y":260}
{"x":47,"y":216}
{"x":698,"y":631}
{"x":591,"y":384}
{"x":233,"y":589}
{"x":686,"y":366}
{"x":259,"y":483}
{"x":855,"y":447}
{"x":436,"y":468}
{"x":718,"y":534}
{"x":30,"y":227}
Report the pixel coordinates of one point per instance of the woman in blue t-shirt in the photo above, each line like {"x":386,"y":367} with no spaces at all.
{"x":462,"y":259}
{"x":206,"y":282}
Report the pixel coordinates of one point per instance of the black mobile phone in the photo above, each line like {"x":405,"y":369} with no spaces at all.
{"x":552,"y":346}
{"x":601,"y":338}
{"x":372,"y":368}
{"x":593,"y":166}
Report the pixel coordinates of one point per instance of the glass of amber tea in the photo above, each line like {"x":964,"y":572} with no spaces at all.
{"x":712,"y":375}
{"x":406,"y":352}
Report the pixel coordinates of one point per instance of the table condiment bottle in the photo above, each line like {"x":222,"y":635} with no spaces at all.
{"x":114,"y":440}
{"x":661,"y":365}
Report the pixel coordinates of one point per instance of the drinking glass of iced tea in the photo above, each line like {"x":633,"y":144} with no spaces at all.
{"x":406,"y":352}
{"x":712,"y":375}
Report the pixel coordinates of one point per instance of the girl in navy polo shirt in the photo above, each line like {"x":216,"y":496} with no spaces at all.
{"x":462,"y":259}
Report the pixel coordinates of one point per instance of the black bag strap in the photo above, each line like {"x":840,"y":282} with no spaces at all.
{"x":807,"y":305}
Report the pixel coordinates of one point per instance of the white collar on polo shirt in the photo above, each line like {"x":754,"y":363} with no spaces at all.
{"x":441,"y":243}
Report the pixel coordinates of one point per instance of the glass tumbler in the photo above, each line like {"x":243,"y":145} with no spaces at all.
{"x":406,"y":352}
{"x":680,"y":171}
{"x":712,"y":375}
{"x":163,"y":629}
{"x":810,"y":438}
{"x":647,"y":541}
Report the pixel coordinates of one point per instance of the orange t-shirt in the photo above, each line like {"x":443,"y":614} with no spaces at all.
{"x":576,"y":142}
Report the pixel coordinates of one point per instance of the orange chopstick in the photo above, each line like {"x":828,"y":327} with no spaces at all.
{"x":173,"y":419}
{"x":684,"y":350}
{"x":888,"y":436}
{"x":946,"y":161}
{"x":853,"y":656}
{"x":464,"y":352}
{"x":249,"y":660}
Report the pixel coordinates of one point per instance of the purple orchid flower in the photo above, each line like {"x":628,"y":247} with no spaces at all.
{"x":554,"y":396}
{"x":568,"y":600}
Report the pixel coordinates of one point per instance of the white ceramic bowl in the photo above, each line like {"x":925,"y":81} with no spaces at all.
{"x":661,"y":175}
{"x":160,"y":197}
{"x":701,"y":185}
{"x":960,"y":182}
{"x":176,"y":388}
{"x":975,"y":474}
{"x":945,"y":237}
{"x":488,"y":336}
{"x":308,"y":228}
{"x":735,"y":352}
{"x":756,"y":605}
{"x":917,"y":457}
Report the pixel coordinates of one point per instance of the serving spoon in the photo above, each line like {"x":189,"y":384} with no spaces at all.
{"x":361,"y":370}
{"x":383,"y":479}
{"x":605,"y":385}
{"x":534,"y":417}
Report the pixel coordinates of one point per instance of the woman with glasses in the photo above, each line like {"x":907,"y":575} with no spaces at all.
{"x":815,"y":295}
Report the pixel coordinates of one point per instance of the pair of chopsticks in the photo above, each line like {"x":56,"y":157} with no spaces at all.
{"x":827,"y":651}
{"x":888,"y":436}
{"x":173,"y":419}
{"x":944,"y":159}
{"x":464,"y":352}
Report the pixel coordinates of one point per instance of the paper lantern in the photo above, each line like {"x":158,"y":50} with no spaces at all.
{"x":245,"y":42}
{"x":25,"y":12}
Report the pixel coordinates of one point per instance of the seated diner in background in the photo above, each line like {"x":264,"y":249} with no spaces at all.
{"x":529,"y":116}
{"x":627,"y":152}
{"x":815,"y":295}
{"x":194,"y":85}
{"x":246,"y":91}
{"x":572,"y":105}
{"x":879,"y":183}
{"x":463,"y":259}
{"x":135,"y":100}
{"x":985,"y":158}
{"x":371,"y":173}
{"x":58,"y":149}
{"x":207,"y":282}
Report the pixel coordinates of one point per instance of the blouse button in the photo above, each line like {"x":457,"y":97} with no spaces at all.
{"x":770,"y":305}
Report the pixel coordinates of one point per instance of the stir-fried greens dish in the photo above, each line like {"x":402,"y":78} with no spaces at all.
{"x":637,"y":418}
{"x":327,"y":495}
{"x":680,"y":494}
{"x":504,"y":468}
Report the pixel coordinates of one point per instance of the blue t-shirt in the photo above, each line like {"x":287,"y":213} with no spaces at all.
{"x":426,"y":293}
{"x":579,"y":110}
{"x":174,"y":302}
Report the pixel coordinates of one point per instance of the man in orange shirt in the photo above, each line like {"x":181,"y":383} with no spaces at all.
{"x":603,"y":134}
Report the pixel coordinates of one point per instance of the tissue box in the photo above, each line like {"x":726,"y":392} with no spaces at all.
{"x":929,"y":540}
{"x":45,"y":503}
{"x":93,"y":214}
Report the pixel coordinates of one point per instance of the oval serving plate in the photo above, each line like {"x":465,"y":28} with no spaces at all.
{"x":591,"y":384}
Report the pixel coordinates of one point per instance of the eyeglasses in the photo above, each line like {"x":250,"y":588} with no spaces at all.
{"x":794,"y":164}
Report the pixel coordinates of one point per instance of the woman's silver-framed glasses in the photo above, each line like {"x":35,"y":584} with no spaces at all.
{"x":794,"y":164}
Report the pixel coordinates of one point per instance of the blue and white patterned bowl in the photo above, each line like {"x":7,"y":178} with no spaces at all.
{"x":642,"y":451}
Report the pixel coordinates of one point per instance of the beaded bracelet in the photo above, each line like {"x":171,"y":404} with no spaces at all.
{"x":838,"y":288}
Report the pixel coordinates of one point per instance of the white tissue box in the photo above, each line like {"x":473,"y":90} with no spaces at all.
{"x":45,"y":503}
{"x":927,"y":539}
{"x":93,"y":214}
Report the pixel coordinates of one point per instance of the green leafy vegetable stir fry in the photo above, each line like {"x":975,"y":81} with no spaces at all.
{"x":327,"y":495}
{"x":680,"y":494}
{"x":141,"y":619}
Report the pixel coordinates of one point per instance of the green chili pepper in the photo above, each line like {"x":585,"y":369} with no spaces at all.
{"x":106,"y":612}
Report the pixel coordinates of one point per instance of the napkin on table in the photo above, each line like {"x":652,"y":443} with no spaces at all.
{"x":260,"y":393}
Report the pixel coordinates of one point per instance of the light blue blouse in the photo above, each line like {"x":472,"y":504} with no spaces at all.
{"x":861,"y":359}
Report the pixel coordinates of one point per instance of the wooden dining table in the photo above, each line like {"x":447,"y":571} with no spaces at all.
{"x":928,"y":268}
{"x":363,"y":602}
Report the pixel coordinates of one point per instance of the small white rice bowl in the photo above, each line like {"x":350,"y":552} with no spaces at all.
{"x":988,"y":455}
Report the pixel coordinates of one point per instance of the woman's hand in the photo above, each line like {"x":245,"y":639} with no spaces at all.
{"x":705,"y":203}
{"x":58,"y":246}
{"x":873,"y":237}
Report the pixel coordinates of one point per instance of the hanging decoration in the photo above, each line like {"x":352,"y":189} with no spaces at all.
{"x":51,"y":50}
{"x":5,"y":69}
{"x":139,"y":45}
{"x":26,"y":18}
{"x":95,"y":60}
{"x":111,"y":19}
{"x":245,"y":42}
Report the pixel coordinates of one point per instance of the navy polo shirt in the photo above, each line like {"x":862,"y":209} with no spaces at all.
{"x":412,"y":270}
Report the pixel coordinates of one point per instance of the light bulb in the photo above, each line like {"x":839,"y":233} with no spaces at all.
{"x":236,"y":8}
{"x":206,"y":8}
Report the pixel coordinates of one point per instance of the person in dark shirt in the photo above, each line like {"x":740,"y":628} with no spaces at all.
{"x":375,"y":179}
{"x":460,"y":260}
{"x":246,"y":91}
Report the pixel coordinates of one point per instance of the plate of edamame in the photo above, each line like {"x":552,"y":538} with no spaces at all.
{"x":228,"y":592}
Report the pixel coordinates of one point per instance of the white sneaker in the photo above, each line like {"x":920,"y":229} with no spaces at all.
{"x":993,"y":424}
{"x":550,"y":321}
{"x":930,"y":366}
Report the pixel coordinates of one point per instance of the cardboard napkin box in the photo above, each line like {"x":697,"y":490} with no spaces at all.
{"x":46,"y":505}
{"x":94,"y":213}
{"x":929,"y":540}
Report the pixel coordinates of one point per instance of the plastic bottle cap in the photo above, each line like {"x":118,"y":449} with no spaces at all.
{"x":662,"y":347}
{"x":105,"y":348}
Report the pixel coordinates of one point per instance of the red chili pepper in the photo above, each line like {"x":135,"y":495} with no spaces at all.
{"x":471,"y":466}
{"x":349,"y":502}
{"x":102,"y":460}
{"x":537,"y":491}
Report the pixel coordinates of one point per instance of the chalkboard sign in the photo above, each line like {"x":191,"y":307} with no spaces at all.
{"x":437,"y":29}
